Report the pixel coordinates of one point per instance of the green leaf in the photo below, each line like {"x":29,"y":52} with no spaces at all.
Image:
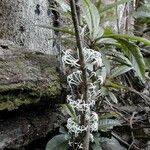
{"x":107,"y":124}
{"x":96,"y":146}
{"x":109,"y":115}
{"x":128,"y":37}
{"x":70,"y":110}
{"x":132,"y":51}
{"x":92,"y":18}
{"x":104,"y":91}
{"x":136,"y":58}
{"x":113,"y":97}
{"x":120,"y":70}
{"x":59,"y":142}
{"x":147,"y":63}
{"x":106,"y":62}
{"x":114,"y":85}
{"x":120,"y":57}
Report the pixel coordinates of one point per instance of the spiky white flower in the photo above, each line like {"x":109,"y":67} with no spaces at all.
{"x":74,"y":79}
{"x":93,"y":57}
{"x":80,"y":104}
{"x":74,"y":128}
{"x":68,"y":59}
{"x":94,"y":121}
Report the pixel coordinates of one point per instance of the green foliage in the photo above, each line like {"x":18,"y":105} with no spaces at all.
{"x":107,"y":124}
{"x":70,"y":110}
{"x":119,"y":71}
{"x":120,"y":54}
{"x":130,"y":52}
{"x":58,"y":142}
{"x":135,"y":56}
{"x":92,"y":18}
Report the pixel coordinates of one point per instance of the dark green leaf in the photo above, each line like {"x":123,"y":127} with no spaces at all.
{"x":120,"y":70}
{"x":59,"y":142}
{"x":136,"y":58}
{"x":92,"y":19}
{"x":96,"y":146}
{"x":109,"y":115}
{"x":128,"y":37}
{"x":106,"y":62}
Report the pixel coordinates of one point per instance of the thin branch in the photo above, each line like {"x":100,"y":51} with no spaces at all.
{"x":131,"y":127}
{"x":84,"y":86}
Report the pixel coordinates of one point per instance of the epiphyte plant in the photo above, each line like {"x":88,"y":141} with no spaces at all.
{"x":93,"y":64}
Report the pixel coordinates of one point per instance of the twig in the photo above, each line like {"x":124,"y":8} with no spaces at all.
{"x":123,"y":142}
{"x":120,"y":139}
{"x":131,"y":126}
{"x":115,"y":109}
{"x":144,"y":97}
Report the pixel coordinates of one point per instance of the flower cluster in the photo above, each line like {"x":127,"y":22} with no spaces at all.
{"x":93,"y":64}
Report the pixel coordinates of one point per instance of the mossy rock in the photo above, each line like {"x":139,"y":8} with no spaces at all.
{"x":26,"y":77}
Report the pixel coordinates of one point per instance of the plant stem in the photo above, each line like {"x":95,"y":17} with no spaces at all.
{"x":84,"y":86}
{"x":80,"y":48}
{"x":117,"y":20}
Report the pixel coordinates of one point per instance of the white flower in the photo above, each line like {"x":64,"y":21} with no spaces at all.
{"x":74,"y":79}
{"x":68,"y":59}
{"x":73,"y":127}
{"x":94,"y":121}
{"x":92,"y":56}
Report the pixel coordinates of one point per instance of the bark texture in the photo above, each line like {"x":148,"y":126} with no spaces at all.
{"x":17,"y":23}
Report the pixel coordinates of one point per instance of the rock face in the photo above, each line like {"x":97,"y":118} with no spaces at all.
{"x":18,"y":20}
{"x":26,"y":77}
{"x":29,"y":88}
{"x":20,"y":128}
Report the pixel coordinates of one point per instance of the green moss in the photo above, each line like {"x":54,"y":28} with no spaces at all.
{"x":28,"y":93}
{"x":12,"y":102}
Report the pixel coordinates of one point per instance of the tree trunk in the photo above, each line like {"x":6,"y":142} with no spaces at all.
{"x":17,"y":23}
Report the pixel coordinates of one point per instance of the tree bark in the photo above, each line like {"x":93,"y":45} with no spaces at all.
{"x":17,"y":23}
